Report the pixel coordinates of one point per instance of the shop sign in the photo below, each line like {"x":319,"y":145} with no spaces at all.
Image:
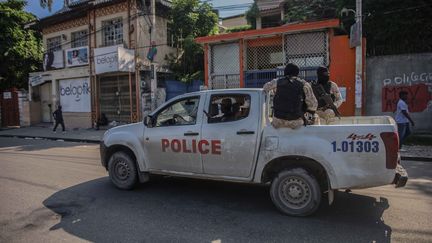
{"x":7,"y":95}
{"x":114,"y":59}
{"x":77,"y":56}
{"x":53,"y":60}
{"x":75,"y":95}
{"x":36,"y":80}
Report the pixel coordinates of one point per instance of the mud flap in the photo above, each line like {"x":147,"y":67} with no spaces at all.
{"x":401,"y":176}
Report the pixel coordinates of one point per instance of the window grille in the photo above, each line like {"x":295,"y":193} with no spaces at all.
{"x":306,"y":49}
{"x":224,"y":66}
{"x":54,"y":44}
{"x":112,"y":33}
{"x":79,"y":38}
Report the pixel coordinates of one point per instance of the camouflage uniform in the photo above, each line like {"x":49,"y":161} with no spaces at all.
{"x":328,"y":115}
{"x":310,"y":100}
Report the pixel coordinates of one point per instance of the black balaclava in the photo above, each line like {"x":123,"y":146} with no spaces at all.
{"x":291,"y":70}
{"x":323,"y":75}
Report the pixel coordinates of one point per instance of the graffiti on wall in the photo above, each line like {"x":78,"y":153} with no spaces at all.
{"x":409,"y":79}
{"x":419,"y":97}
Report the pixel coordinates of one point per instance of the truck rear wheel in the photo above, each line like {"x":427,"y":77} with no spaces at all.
{"x":295,"y":192}
{"x":122,"y":170}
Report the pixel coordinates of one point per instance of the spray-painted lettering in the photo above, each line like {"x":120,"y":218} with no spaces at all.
{"x":418,"y":97}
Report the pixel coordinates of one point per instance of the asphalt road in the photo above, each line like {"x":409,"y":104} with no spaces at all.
{"x":57,"y":191}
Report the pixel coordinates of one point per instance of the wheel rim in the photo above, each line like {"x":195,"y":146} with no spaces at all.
{"x":295,"y":192}
{"x":121,"y":170}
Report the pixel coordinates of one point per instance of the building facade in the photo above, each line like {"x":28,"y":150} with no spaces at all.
{"x":252,"y":58}
{"x":101,"y":57}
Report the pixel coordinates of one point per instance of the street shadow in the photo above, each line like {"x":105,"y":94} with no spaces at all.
{"x":32,"y":144}
{"x":187,"y":210}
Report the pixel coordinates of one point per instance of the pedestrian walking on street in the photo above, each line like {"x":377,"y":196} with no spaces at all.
{"x":58,"y":117}
{"x":403,"y":118}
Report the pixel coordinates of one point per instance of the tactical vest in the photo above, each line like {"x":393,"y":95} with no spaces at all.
{"x":289,"y":100}
{"x":317,"y":93}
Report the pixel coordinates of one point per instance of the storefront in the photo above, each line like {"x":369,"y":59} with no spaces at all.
{"x":116,"y":94}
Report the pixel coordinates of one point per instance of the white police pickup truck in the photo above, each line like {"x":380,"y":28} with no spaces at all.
{"x":226,"y":135}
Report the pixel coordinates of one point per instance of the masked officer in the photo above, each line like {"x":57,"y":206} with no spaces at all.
{"x":330,"y":87}
{"x":293,"y":98}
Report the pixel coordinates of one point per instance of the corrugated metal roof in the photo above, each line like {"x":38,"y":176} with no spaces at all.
{"x":264,"y":5}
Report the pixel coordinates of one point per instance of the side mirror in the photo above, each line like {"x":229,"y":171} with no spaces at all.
{"x":148,"y":121}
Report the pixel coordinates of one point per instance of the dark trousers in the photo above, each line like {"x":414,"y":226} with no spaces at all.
{"x":403,"y":131}
{"x":61,"y":123}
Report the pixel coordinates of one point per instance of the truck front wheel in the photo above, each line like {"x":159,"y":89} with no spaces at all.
{"x":122,"y":170}
{"x":295,"y":192}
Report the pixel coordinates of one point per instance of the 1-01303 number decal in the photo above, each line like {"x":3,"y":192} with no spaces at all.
{"x":356,"y":146}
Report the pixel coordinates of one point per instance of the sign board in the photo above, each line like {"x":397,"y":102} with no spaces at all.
{"x":355,"y":35}
{"x":342,"y":90}
{"x":77,"y":56}
{"x":114,"y":59}
{"x":53,"y":60}
{"x":75,"y":95}
{"x":36,"y":80}
{"x":7,"y":95}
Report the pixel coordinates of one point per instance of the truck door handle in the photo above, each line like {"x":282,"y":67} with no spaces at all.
{"x":241,"y":132}
{"x":191,"y":134}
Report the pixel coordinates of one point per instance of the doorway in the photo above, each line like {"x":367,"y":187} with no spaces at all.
{"x":46,"y":102}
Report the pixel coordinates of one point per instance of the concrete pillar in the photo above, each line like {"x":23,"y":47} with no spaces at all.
{"x":24,"y":109}
{"x":258,"y":22}
{"x":54,"y":94}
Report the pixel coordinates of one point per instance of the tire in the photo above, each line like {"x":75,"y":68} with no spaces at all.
{"x":295,"y":192}
{"x":122,"y":171}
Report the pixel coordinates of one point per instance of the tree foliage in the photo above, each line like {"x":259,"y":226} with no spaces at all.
{"x":20,"y":48}
{"x":390,"y":26}
{"x":190,"y":19}
{"x":251,"y":14}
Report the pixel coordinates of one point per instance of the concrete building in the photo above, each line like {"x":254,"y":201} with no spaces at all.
{"x":249,"y":59}
{"x":101,"y":56}
{"x":271,"y":13}
{"x":233,"y":21}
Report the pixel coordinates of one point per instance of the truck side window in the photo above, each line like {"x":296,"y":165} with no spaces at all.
{"x":226,"y":108}
{"x":182,"y":112}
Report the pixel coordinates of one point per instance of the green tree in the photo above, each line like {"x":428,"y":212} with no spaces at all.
{"x":20,"y":48}
{"x":252,"y":14}
{"x":390,"y":26}
{"x":190,"y":19}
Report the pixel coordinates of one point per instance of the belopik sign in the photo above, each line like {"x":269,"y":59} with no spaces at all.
{"x":114,"y":59}
{"x":75,"y":95}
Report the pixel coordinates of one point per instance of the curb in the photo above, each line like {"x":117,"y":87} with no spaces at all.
{"x":79,"y":140}
{"x":424,"y":159}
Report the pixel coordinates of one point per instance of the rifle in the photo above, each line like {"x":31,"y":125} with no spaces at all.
{"x":328,"y":100}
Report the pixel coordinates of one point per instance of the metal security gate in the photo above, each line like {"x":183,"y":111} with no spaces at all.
{"x":267,"y":57}
{"x":224,"y":66}
{"x":114,"y":98}
{"x":9,"y":108}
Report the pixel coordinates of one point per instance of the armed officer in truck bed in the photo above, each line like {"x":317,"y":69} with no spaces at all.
{"x":328,"y":96}
{"x":293,"y":98}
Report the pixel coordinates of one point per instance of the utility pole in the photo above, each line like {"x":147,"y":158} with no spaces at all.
{"x":153,"y":84}
{"x":359,"y":61}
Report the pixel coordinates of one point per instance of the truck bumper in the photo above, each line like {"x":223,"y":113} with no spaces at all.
{"x":401,"y":176}
{"x":103,"y":150}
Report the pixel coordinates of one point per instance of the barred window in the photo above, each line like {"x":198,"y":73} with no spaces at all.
{"x":79,"y":38}
{"x":112,"y":33}
{"x":54,"y":44}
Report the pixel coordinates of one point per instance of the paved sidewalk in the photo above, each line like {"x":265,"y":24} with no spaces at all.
{"x":416,"y":152}
{"x":75,"y":135}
